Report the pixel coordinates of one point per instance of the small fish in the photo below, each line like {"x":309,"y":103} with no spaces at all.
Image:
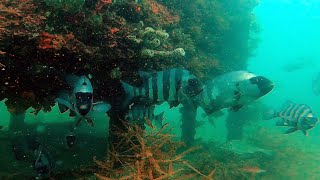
{"x":71,"y":140}
{"x":171,"y":85}
{"x":296,"y":116}
{"x":141,"y":114}
{"x":80,"y":100}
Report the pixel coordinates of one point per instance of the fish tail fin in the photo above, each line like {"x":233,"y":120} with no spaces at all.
{"x":269,"y":114}
{"x":129,"y":92}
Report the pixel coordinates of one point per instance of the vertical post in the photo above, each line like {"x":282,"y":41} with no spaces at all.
{"x":17,"y":131}
{"x":188,"y":126}
{"x":16,"y":122}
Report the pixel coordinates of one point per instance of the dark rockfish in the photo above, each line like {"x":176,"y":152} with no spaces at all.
{"x":80,"y":100}
{"x":139,"y":114}
{"x":232,"y":90}
{"x":171,"y":85}
{"x":297,"y":116}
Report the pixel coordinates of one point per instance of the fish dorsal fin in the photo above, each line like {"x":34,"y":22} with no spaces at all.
{"x":72,"y":80}
{"x":144,"y":74}
{"x":287,"y":103}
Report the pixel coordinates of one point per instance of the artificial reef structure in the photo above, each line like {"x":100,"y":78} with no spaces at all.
{"x":42,"y":41}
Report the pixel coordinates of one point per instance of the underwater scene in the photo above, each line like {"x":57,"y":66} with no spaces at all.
{"x":159,"y":89}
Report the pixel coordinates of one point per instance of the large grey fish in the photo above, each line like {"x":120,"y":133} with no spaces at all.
{"x":171,"y":85}
{"x":139,"y":114}
{"x":232,"y":90}
{"x":297,"y":116}
{"x":80,"y":100}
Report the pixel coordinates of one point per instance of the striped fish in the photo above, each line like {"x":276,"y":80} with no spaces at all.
{"x":170,"y":85}
{"x":296,"y":116}
{"x":139,"y":114}
{"x":232,"y":90}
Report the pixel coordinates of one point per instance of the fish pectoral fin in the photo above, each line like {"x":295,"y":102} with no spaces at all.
{"x":281,"y":123}
{"x":89,"y":121}
{"x":78,"y":121}
{"x":72,"y":113}
{"x":62,"y":108}
{"x":236,"y":108}
{"x":305,"y":132}
{"x":62,"y":102}
{"x":291,"y":130}
{"x":101,"y":107}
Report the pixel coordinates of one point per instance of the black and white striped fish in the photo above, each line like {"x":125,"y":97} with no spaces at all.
{"x":232,"y":90}
{"x":171,"y":85}
{"x":139,"y":114}
{"x":297,"y":116}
